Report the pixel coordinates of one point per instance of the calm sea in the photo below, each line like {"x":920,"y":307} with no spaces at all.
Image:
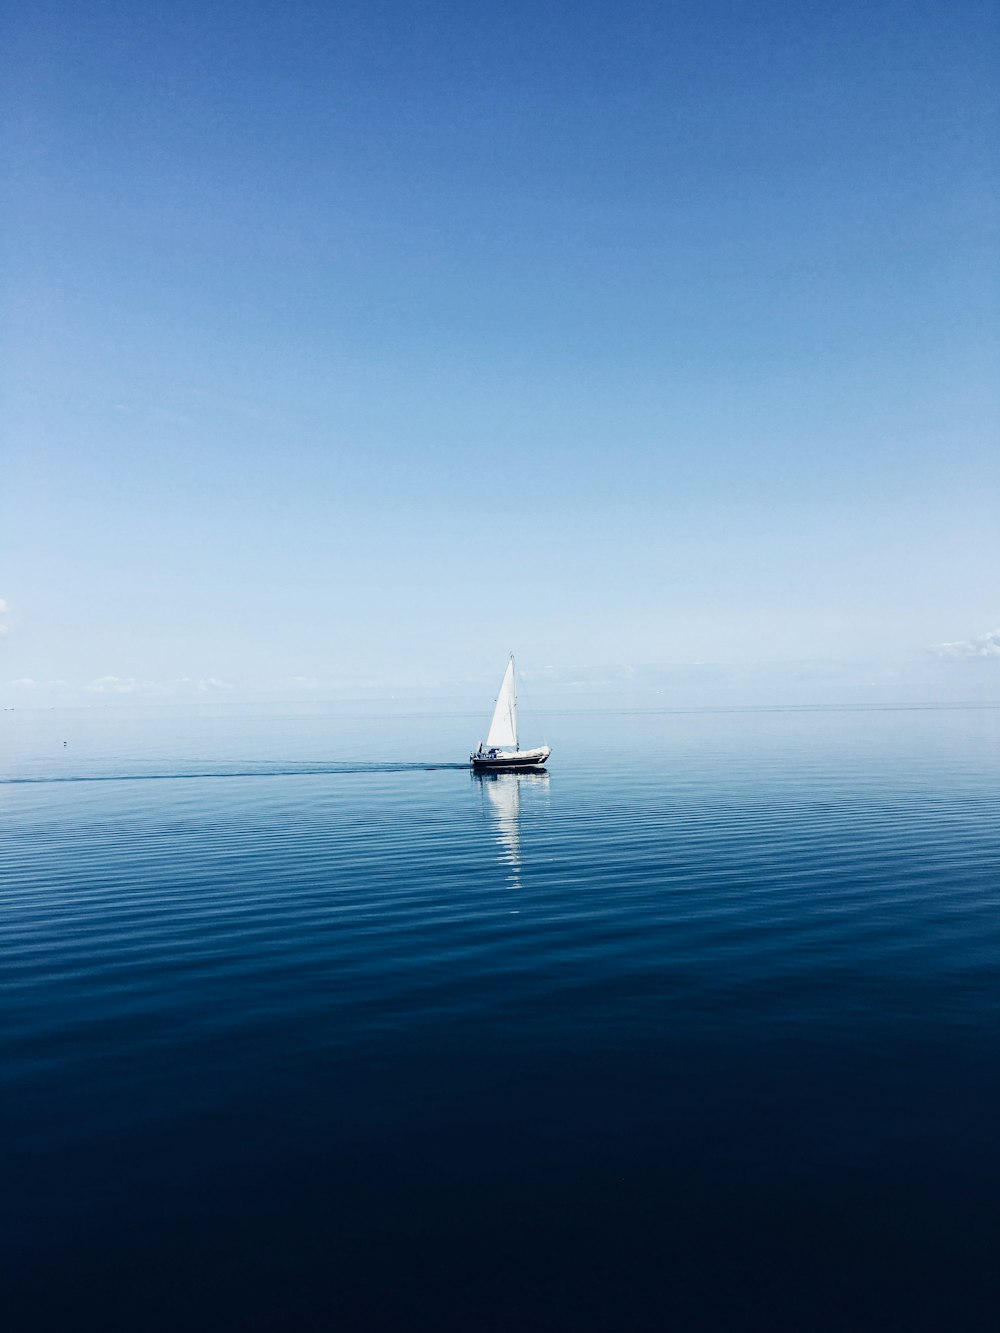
{"x":305,"y":1026}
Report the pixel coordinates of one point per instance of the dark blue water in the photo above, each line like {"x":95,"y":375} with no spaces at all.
{"x":304,"y":1026}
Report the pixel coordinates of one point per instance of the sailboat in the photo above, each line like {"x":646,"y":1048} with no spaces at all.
{"x":501,"y":749}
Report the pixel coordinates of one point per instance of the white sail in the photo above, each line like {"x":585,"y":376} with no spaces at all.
{"x":503,"y":728}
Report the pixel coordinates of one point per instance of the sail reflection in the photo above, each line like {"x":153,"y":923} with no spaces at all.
{"x":504,"y":794}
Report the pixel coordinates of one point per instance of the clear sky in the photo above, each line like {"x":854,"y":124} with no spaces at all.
{"x":345,"y":340}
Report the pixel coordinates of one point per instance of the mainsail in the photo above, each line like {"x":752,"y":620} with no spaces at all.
{"x":503,"y":728}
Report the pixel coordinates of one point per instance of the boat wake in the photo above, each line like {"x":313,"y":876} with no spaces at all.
{"x":243,"y":771}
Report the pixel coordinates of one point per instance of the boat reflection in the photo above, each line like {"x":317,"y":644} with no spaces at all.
{"x":503,"y":794}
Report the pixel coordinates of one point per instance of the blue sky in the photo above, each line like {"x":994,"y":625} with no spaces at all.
{"x":343,"y":341}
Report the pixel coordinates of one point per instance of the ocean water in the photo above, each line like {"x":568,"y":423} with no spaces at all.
{"x":305,"y":1026}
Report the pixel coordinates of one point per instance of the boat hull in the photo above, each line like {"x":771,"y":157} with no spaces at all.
{"x":510,"y":760}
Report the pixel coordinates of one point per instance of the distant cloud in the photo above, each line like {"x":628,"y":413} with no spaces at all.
{"x":169,"y":417}
{"x":3,"y":608}
{"x":203,"y":684}
{"x":185,"y":685}
{"x":118,"y":685}
{"x":987,"y":645}
{"x":4,"y":629}
{"x":166,"y":415}
{"x":24,"y":683}
{"x":304,"y":683}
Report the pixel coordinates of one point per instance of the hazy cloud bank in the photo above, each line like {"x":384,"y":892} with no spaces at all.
{"x":130,"y":685}
{"x":964,"y":650}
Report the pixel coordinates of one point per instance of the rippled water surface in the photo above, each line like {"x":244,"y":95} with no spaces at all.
{"x":305,"y":1026}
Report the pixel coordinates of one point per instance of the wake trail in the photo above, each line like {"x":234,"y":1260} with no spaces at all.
{"x":305,"y":770}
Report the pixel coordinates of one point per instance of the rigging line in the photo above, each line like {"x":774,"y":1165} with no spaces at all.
{"x":531,"y":707}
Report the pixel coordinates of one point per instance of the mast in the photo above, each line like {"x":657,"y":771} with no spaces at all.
{"x":513,"y":700}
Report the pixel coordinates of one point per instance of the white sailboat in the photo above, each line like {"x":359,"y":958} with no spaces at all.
{"x":501,"y":748}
